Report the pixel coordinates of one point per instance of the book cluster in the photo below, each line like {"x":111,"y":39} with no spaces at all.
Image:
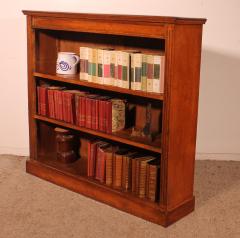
{"x":81,"y":108}
{"x":125,"y":69}
{"x":124,"y":169}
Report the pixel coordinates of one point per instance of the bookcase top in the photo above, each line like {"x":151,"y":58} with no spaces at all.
{"x":116,"y":17}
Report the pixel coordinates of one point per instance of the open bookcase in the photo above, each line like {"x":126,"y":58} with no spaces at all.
{"x":179,"y":40}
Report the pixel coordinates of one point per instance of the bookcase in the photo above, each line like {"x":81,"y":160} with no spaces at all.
{"x":179,"y":39}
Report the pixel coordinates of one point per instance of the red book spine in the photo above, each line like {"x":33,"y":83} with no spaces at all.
{"x":104,"y":112}
{"x":39,"y":99}
{"x":97,"y":114}
{"x":82,"y":111}
{"x":119,"y":72}
{"x":60,"y":104}
{"x":68,"y":107}
{"x":109,"y":117}
{"x":51,"y":104}
{"x":93,"y":114}
{"x":88,"y":113}
{"x":100,"y":116}
{"x":64,"y":106}
{"x":72,"y":108}
{"x":55,"y":94}
{"x":43,"y":92}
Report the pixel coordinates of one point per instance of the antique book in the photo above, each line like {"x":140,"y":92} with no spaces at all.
{"x":150,"y":73}
{"x":153,"y":180}
{"x":118,"y":114}
{"x":90,"y":64}
{"x":100,"y":64}
{"x":137,"y":71}
{"x":144,"y":73}
{"x":125,"y":69}
{"x":83,"y":63}
{"x":94,"y":70}
{"x":106,"y":67}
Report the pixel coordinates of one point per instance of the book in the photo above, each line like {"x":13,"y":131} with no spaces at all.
{"x":94,"y":69}
{"x":42,"y":100}
{"x":162,"y":73}
{"x":89,"y":104}
{"x":142,"y":175}
{"x":150,"y":62}
{"x":100,"y":64}
{"x":118,"y":114}
{"x":125,"y":69}
{"x":109,"y":165}
{"x":119,"y":68}
{"x":83,"y":63}
{"x":90,"y":64}
{"x":112,"y":67}
{"x":108,"y":115}
{"x":137,"y":71}
{"x":153,"y":180}
{"x":144,"y":73}
{"x":106,"y":67}
{"x":92,"y":154}
{"x":95,"y":113}
{"x":117,"y":167}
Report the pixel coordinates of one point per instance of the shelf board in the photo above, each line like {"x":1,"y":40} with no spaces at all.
{"x":121,"y":136}
{"x":76,"y":81}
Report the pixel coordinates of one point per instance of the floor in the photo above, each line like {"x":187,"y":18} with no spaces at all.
{"x":31,"y":207}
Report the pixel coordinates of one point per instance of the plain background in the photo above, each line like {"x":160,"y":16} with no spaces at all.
{"x":219,"y":112}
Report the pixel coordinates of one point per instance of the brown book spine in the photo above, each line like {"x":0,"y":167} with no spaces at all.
{"x":109,"y":168}
{"x":126,"y":173}
{"x":134,"y":175}
{"x":117,"y":175}
{"x":51,"y":104}
{"x":101,"y":115}
{"x":142,"y":179}
{"x":153,"y":183}
{"x":82,"y":112}
{"x":137,"y":169}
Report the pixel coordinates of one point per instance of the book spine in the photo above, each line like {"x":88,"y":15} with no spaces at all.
{"x":88,"y":113}
{"x":162,"y":73}
{"x":97,"y":114}
{"x":134,"y":176}
{"x":82,"y":111}
{"x":39,"y":99}
{"x":106,"y":67}
{"x":150,"y":73}
{"x":83,"y":63}
{"x":56,"y":107}
{"x":90,"y":64}
{"x":132,"y":75}
{"x":112,"y":67}
{"x":156,"y":73}
{"x":100,"y":115}
{"x":94,"y":68}
{"x":144,"y":73}
{"x":138,"y":71}
{"x":119,"y":68}
{"x":108,"y":110}
{"x":60,"y":104}
{"x":64,"y":98}
{"x":100,"y":66}
{"x":152,"y":183}
{"x":98,"y":163}
{"x":125,"y":70}
{"x":115,"y":81}
{"x":117,"y":115}
{"x":117,"y":180}
{"x":93,"y":113}
{"x":142,"y":179}
{"x":104,"y":114}
{"x":126,"y":173}
{"x":51,"y":104}
{"x":109,"y":168}
{"x":77,"y":109}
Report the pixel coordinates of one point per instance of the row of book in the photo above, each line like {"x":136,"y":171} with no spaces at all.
{"x":81,"y":108}
{"x":124,"y":169}
{"x":127,"y":69}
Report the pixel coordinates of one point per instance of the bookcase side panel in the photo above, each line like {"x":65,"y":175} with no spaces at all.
{"x":31,"y":88}
{"x":182,"y":106}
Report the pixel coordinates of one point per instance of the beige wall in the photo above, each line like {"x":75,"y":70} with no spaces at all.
{"x":219,"y":114}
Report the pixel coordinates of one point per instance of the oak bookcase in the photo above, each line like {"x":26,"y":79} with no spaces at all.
{"x":179,"y":39}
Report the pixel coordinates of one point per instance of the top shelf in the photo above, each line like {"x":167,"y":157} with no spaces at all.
{"x":76,"y":81}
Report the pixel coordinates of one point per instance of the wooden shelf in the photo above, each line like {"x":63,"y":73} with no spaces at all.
{"x":76,"y":81}
{"x":121,"y":136}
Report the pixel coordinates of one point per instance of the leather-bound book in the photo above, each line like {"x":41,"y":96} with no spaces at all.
{"x":102,"y":113}
{"x":153,"y":180}
{"x":94,"y":113}
{"x":82,"y":111}
{"x":108,"y":111}
{"x":117,"y":116}
{"x":117,"y":167}
{"x":66,"y":145}
{"x":142,"y":173}
{"x":101,"y":161}
{"x":127,"y":171}
{"x":42,"y":100}
{"x":109,"y":166}
{"x":89,"y":104}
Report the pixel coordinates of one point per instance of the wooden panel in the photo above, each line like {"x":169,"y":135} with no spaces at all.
{"x":181,"y":109}
{"x":31,"y":88}
{"x":116,"y":17}
{"x":115,"y":28}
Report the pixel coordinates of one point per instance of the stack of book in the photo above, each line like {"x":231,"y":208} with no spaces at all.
{"x":124,"y":169}
{"x":125,"y":69}
{"x":83,"y":109}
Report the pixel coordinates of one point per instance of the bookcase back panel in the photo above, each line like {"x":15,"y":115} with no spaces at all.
{"x":49,"y":43}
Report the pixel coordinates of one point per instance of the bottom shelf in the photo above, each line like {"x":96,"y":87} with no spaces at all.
{"x":65,"y":176}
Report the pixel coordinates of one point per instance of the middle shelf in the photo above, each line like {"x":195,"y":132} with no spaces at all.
{"x":123,"y":136}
